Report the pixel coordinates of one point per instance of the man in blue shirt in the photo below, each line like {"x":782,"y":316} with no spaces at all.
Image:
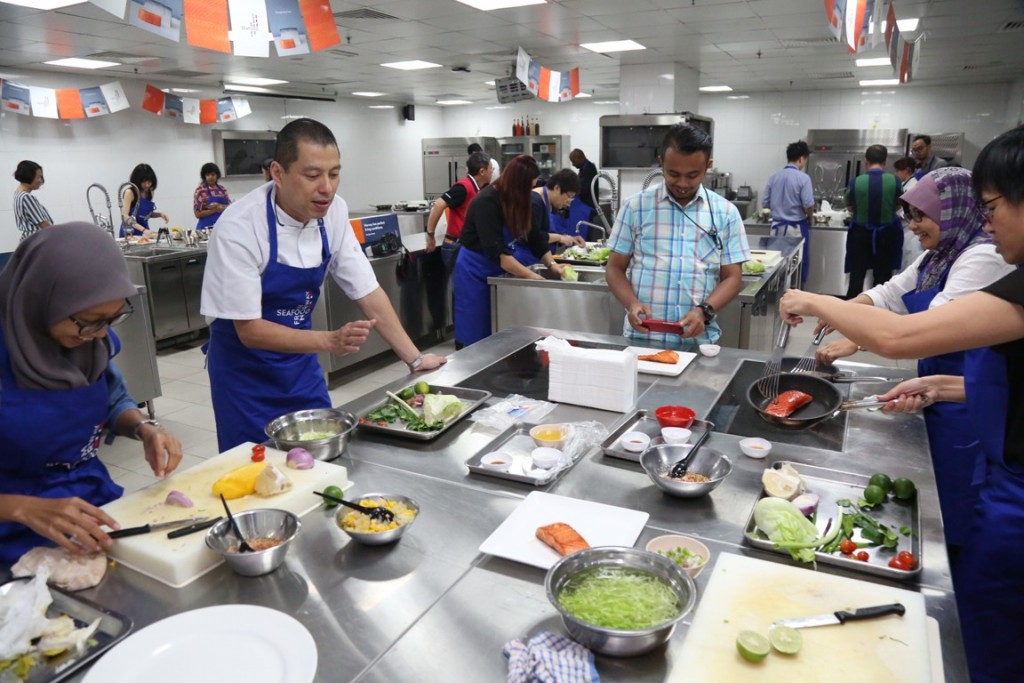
{"x":790,"y":197}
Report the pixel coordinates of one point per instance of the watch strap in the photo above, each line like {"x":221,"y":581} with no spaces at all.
{"x":138,"y":427}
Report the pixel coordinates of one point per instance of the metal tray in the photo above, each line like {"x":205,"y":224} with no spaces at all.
{"x":579,"y":261}
{"x":471,"y":400}
{"x":517,"y":442}
{"x":832,"y":485}
{"x":112,"y":629}
{"x":643,"y":420}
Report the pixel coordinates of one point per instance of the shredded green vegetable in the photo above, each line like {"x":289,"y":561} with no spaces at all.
{"x":619,"y":598}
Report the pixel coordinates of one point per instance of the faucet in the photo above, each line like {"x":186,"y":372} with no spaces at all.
{"x":104,"y":222}
{"x":164,"y":232}
{"x":120,"y":203}
{"x":604,"y":233}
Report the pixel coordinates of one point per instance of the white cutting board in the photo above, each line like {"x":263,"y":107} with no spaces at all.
{"x":178,"y":562}
{"x":744,"y":593}
{"x":652,"y":368}
{"x":768,"y":257}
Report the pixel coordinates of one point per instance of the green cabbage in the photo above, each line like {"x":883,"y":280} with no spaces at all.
{"x":600,"y":254}
{"x":569,"y":274}
{"x":441,"y":408}
{"x":788,"y":529}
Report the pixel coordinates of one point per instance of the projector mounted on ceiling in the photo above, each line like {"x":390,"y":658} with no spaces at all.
{"x":511,"y":89}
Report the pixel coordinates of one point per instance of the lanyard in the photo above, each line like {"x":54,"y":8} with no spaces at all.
{"x":713,"y":232}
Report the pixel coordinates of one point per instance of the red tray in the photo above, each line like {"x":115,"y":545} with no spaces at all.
{"x":662,"y":326}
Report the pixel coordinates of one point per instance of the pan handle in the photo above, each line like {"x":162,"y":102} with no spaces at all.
{"x":858,"y":405}
{"x":852,"y":379}
{"x":783,"y":339}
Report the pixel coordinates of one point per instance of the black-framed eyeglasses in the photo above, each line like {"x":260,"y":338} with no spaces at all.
{"x":912,"y":213}
{"x":94,"y":326}
{"x":987,"y":210}
{"x":712,"y":233}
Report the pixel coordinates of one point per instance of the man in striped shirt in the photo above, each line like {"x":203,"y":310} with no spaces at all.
{"x":875,"y":238}
{"x":29,"y":214}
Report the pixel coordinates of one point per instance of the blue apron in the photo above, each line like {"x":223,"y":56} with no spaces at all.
{"x":989,"y":573}
{"x":852,"y":256}
{"x":53,"y":440}
{"x":780,"y":227}
{"x":566,"y":225}
{"x":957,"y":455}
{"x":208,"y":221}
{"x":251,"y":387}
{"x":143,"y":209}
{"x":472,"y":306}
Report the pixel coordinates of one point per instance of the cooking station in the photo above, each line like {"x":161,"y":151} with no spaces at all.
{"x":434,"y":605}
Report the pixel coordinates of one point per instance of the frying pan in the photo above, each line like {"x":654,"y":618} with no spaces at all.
{"x":827,"y":402}
{"x":832,"y":373}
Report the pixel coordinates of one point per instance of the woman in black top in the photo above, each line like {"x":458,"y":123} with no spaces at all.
{"x":500,"y":234}
{"x":989,"y":573}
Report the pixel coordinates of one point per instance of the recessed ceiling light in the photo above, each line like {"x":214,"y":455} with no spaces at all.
{"x":44,"y":4}
{"x":582,"y":95}
{"x":411,"y":65}
{"x":881,"y":81}
{"x":613,"y":46}
{"x":715,"y":88}
{"x":234,"y":87}
{"x":874,"y":61}
{"x":490,"y":83}
{"x":605,"y":102}
{"x":382,"y":106}
{"x":667,"y":77}
{"x":367,"y":93}
{"x":183,"y":90}
{"x":488,"y":5}
{"x":454,"y":102}
{"x":257,"y":81}
{"x":737,"y":97}
{"x":79,"y":63}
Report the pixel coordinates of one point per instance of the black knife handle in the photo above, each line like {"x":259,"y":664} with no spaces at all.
{"x":130,"y":531}
{"x":871,"y":612}
{"x":199,"y":526}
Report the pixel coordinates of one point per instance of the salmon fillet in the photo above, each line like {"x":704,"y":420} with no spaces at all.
{"x":786,"y":403}
{"x":669,"y":357}
{"x":562,"y":537}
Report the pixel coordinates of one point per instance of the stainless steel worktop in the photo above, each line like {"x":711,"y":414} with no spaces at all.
{"x":432,"y":608}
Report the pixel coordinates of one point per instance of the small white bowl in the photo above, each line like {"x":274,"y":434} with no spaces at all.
{"x":756,"y":447}
{"x":710,"y":350}
{"x":635,"y":442}
{"x":497,"y":461}
{"x":674,"y":541}
{"x":545,"y":458}
{"x":676,"y":435}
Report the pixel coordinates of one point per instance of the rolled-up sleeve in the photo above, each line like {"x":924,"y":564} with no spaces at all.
{"x":118,"y":399}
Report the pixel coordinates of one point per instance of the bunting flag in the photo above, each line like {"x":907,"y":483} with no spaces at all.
{"x":544,"y":83}
{"x":115,"y":7}
{"x":174,"y":107}
{"x":44,"y":102}
{"x":859,"y":23}
{"x":855,"y":21}
{"x":287,"y":27}
{"x":319,"y":19}
{"x":161,"y":17}
{"x":206,"y":24}
{"x":250,"y":33}
{"x":836,"y":10}
{"x":62,"y":103}
{"x":193,"y":111}
{"x":16,"y":99}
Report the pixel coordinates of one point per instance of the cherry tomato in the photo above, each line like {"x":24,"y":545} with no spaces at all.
{"x":897,"y":563}
{"x":848,"y":546}
{"x":862,"y":556}
{"x":908,"y":559}
{"x":259,"y":452}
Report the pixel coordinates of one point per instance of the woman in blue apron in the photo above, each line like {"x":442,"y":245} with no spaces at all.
{"x":59,"y":293}
{"x":556,"y":198}
{"x":251,"y":387}
{"x":499,"y":235}
{"x":210,"y":198}
{"x":136,"y":211}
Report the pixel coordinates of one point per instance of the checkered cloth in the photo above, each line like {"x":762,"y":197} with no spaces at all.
{"x":549,"y":658}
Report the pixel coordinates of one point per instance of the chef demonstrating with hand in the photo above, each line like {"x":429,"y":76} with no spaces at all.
{"x":267,"y":261}
{"x":60,"y":293}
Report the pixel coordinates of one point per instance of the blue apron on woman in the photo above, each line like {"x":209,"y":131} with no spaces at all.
{"x":208,"y":221}
{"x":251,"y":387}
{"x":51,"y":449}
{"x":782,"y":227}
{"x":143,"y":209}
{"x":472,"y":307}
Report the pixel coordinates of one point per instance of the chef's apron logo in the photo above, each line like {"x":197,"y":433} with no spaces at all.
{"x":89,"y":450}
{"x":299,"y":313}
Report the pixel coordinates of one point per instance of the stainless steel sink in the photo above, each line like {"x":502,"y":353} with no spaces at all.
{"x":149,"y":252}
{"x":588,"y":274}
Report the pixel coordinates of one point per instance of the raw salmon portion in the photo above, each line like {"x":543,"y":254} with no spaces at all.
{"x":786,"y":403}
{"x":669,"y":357}
{"x":562,"y":537}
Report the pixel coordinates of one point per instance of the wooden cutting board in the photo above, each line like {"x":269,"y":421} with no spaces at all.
{"x":178,"y":562}
{"x":744,"y":593}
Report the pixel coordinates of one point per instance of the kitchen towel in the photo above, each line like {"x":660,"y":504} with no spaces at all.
{"x":597,"y":378}
{"x":549,"y":658}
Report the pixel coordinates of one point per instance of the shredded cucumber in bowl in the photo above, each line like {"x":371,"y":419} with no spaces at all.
{"x":619,"y":598}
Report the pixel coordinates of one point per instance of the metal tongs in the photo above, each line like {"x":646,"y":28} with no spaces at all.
{"x":380,"y":514}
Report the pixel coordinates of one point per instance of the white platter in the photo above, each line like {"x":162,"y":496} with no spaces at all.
{"x":652,"y":368}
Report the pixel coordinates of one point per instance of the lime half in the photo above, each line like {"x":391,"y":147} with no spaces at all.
{"x":752,"y":646}
{"x":786,"y":640}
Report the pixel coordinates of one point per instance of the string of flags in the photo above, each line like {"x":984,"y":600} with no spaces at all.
{"x":544,"y":83}
{"x":192,"y":110}
{"x":859,"y":23}
{"x":241,"y":27}
{"x":62,"y":103}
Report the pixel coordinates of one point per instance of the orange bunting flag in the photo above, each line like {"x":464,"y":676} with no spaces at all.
{"x":69,"y":103}
{"x":206,"y":24}
{"x":320,"y":26}
{"x":207,"y":111}
{"x":153,"y":99}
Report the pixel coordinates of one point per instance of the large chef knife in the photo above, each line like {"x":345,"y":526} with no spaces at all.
{"x":146,"y":528}
{"x":842,"y":617}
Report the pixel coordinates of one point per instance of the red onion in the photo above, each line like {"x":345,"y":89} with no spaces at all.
{"x":299,"y":459}
{"x":179,"y":499}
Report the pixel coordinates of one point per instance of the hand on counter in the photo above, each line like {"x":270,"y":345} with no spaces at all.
{"x":71,"y":523}
{"x":431,"y":361}
{"x":636,"y":313}
{"x":834,"y":350}
{"x":349,"y":337}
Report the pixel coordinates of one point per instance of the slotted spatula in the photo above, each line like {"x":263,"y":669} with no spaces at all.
{"x":768,"y":385}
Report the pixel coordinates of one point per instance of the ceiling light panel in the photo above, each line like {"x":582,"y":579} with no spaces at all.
{"x":79,"y":63}
{"x":368,"y":93}
{"x":411,"y":65}
{"x":488,"y":5}
{"x":881,"y":81}
{"x":613,"y":46}
{"x":715,"y":88}
{"x":257,"y":81}
{"x":874,"y":61}
{"x":44,"y":4}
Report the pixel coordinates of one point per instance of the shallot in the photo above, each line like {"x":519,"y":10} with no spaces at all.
{"x":299,"y":459}
{"x":807,"y":503}
{"x":179,"y":499}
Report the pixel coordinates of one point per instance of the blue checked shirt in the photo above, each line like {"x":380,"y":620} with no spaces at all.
{"x":674,"y":265}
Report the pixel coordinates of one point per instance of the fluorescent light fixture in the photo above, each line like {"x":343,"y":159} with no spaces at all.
{"x":232,"y":87}
{"x":44,"y":4}
{"x":881,"y":81}
{"x":715,"y":88}
{"x":613,"y":46}
{"x":605,"y":102}
{"x":667,"y":77}
{"x":737,"y":97}
{"x":257,"y":81}
{"x":488,"y":5}
{"x":499,"y":106}
{"x":184,"y":90}
{"x":367,"y":93}
{"x":78,"y":63}
{"x":490,"y":83}
{"x":411,"y":65}
{"x":381,"y":106}
{"x":874,"y":61}
{"x":454,"y":102}
{"x":904,"y":25}
{"x":582,"y":95}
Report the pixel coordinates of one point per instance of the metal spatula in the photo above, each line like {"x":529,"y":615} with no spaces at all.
{"x":809,"y":362}
{"x":768,"y":385}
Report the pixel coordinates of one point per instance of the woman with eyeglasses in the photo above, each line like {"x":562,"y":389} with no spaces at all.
{"x":59,"y":389}
{"x":988,"y":574}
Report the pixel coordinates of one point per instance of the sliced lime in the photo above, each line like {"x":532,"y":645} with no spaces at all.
{"x":752,"y":646}
{"x":786,"y":640}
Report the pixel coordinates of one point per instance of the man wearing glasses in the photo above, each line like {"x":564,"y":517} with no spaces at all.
{"x":677,"y":249}
{"x":921,"y":150}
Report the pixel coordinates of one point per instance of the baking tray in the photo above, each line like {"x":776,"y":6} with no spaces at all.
{"x":517,"y":442}
{"x":112,"y":629}
{"x":471,"y":400}
{"x":579,"y":261}
{"x":832,"y":485}
{"x":643,"y":420}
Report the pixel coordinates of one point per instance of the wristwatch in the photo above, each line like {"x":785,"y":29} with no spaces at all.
{"x":416,"y":362}
{"x":138,"y":426}
{"x":709,"y":312}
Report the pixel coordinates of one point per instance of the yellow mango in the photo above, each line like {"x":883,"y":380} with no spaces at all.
{"x":239,"y":482}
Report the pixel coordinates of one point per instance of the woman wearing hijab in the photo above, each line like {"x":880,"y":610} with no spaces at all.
{"x":59,"y":294}
{"x":500,"y":235}
{"x":136,"y":211}
{"x":210,"y":198}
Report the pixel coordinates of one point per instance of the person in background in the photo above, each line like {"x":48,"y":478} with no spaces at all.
{"x":875,"y":238}
{"x":790,"y":197}
{"x":552,"y":201}
{"x":988,"y":574}
{"x":960,"y":259}
{"x":677,"y":249}
{"x":500,"y":235}
{"x":29,"y":214}
{"x":454,"y":203}
{"x":136,"y":211}
{"x":475,"y":148}
{"x":921,"y":150}
{"x":584,"y":206}
{"x":267,"y":261}
{"x":588,"y":171}
{"x":265,"y":167}
{"x":59,"y":389}
{"x":210,"y":198}
{"x":904,"y":168}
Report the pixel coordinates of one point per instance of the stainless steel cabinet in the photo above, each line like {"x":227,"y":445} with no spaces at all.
{"x":137,"y":358}
{"x":174,"y":282}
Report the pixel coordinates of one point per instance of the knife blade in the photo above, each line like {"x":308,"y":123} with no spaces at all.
{"x":146,"y":528}
{"x":842,"y":617}
{"x":191,"y":529}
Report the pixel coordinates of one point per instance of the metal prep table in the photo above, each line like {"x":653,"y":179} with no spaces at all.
{"x":137,"y":358}
{"x":827,"y":254}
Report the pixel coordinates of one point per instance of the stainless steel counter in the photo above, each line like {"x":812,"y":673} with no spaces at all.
{"x":432,"y":608}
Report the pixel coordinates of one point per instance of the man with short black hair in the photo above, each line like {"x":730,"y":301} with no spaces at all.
{"x":875,"y":238}
{"x":453,"y":205}
{"x":790,"y":197}
{"x":551,"y":200}
{"x":921,"y":150}
{"x":495,"y":168}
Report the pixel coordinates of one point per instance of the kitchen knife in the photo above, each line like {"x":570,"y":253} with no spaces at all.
{"x":146,"y":528}
{"x":191,"y":529}
{"x":842,"y":617}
